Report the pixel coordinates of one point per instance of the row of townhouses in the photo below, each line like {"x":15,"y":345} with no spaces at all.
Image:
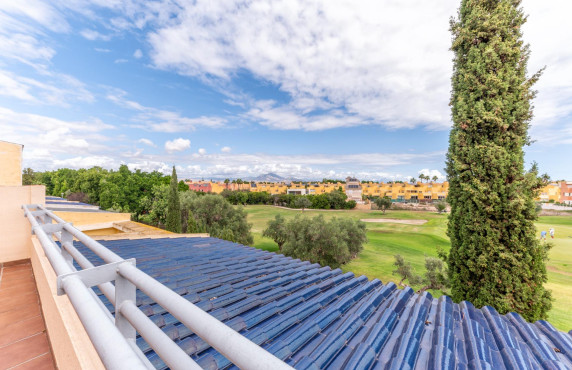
{"x":560,"y":191}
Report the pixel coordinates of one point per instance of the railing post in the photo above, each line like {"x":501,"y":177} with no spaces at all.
{"x":66,"y":239}
{"x":124,"y":291}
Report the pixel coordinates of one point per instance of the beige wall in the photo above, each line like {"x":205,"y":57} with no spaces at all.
{"x":15,"y":230}
{"x":10,"y":164}
{"x":88,"y":218}
{"x":71,"y":347}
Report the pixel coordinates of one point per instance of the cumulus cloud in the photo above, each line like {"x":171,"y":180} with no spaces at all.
{"x":177,"y":145}
{"x":432,"y":173}
{"x":138,"y":54}
{"x":147,"y":142}
{"x":226,"y":149}
{"x":363,"y":62}
{"x":202,"y":151}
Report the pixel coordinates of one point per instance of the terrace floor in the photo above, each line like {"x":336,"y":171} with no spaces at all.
{"x":23,"y":340}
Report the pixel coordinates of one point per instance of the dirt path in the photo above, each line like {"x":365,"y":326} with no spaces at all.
{"x":395,"y":221}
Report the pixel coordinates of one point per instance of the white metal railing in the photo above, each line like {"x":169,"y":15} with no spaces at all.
{"x":114,"y":338}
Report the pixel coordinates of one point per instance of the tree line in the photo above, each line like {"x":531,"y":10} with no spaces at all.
{"x":336,"y":199}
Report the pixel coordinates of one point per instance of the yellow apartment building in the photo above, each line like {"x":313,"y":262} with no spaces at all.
{"x":398,"y":192}
{"x":550,"y":192}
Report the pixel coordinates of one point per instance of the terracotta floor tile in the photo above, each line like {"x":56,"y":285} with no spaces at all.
{"x":24,"y":350}
{"x":18,"y":301}
{"x":19,"y":314}
{"x":15,"y":275}
{"x":18,"y":267}
{"x":7,"y":299}
{"x":16,"y":263}
{"x":44,"y":362}
{"x":20,"y":330}
{"x":17,"y":289}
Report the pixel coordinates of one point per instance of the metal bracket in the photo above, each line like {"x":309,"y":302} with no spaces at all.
{"x":95,"y":275}
{"x":38,"y":213}
{"x":53,"y":228}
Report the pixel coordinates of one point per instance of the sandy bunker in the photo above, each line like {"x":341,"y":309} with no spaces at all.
{"x":395,"y":221}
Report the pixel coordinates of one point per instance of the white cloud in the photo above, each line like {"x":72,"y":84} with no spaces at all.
{"x":93,"y":35}
{"x":47,"y":139}
{"x":147,"y":142}
{"x":154,"y":119}
{"x":202,"y":151}
{"x":226,"y":149}
{"x":365,"y":62}
{"x":177,"y":145}
{"x":120,"y":61}
{"x":102,"y":50}
{"x":53,"y":89}
{"x":432,"y":173}
{"x":138,"y":54}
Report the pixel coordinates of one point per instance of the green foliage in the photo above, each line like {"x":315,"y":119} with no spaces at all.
{"x":436,"y":276}
{"x":333,"y":200}
{"x":495,"y":258}
{"x":173,"y":222}
{"x":156,"y":203}
{"x":383,"y":203}
{"x":405,"y":271}
{"x":220,"y":219}
{"x":329,"y":243}
{"x":119,"y":190}
{"x":441,"y":206}
{"x":181,"y":186}
{"x":276,"y":230}
{"x":302,"y":202}
{"x":29,"y":177}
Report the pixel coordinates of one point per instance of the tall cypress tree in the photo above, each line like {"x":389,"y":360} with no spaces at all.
{"x":174,"y":206}
{"x":495,"y":257}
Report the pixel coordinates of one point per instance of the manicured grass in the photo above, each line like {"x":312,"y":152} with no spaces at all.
{"x":413,"y":242}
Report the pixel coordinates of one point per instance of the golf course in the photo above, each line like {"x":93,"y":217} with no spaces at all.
{"x":417,"y":239}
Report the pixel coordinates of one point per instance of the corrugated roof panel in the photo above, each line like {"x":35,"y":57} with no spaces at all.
{"x":313,"y":317}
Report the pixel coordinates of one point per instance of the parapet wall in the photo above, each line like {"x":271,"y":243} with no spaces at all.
{"x":15,"y":230}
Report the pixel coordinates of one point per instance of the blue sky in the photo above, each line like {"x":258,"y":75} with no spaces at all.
{"x":304,"y":89}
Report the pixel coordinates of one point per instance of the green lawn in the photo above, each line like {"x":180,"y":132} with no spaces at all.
{"x":415,"y":241}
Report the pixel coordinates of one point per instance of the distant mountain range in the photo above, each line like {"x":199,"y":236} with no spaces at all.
{"x":269,"y":177}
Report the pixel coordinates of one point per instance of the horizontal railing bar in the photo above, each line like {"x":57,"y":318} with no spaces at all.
{"x":231,"y":344}
{"x":169,"y":351}
{"x":97,"y":248}
{"x":106,"y":288}
{"x":113,"y":349}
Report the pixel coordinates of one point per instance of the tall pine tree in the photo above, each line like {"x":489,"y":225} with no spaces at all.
{"x":495,"y":257}
{"x":173,"y":222}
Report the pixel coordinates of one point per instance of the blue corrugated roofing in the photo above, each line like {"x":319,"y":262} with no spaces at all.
{"x":313,"y":317}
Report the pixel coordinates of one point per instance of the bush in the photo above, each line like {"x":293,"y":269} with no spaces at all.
{"x":441,"y":206}
{"x":329,"y":243}
{"x":383,"y":203}
{"x":220,"y":219}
